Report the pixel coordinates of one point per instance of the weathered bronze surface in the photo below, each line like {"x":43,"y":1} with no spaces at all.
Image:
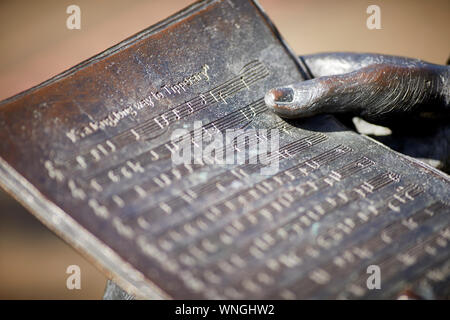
{"x":88,"y":152}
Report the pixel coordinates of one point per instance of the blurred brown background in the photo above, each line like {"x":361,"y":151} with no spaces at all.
{"x":36,"y":45}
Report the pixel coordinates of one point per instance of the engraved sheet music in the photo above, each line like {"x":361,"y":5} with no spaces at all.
{"x":90,"y":154}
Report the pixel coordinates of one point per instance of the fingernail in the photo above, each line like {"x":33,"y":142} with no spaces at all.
{"x":283,"y":95}
{"x":279,"y":96}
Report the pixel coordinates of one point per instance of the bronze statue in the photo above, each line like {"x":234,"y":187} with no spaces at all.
{"x":408,"y":95}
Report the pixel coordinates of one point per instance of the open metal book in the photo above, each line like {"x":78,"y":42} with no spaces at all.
{"x":128,"y":157}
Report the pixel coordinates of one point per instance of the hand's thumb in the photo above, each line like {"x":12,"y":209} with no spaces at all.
{"x":373,"y":92}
